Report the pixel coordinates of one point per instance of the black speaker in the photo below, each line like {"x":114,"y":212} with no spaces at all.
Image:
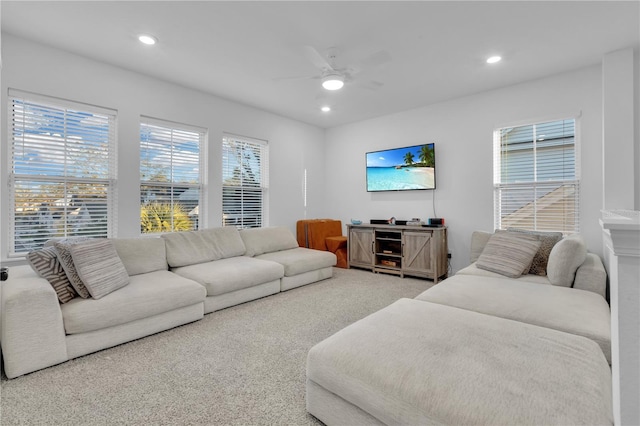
{"x":379,"y":221}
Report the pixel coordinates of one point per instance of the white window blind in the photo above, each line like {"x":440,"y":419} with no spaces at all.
{"x":63,"y":170}
{"x":536,"y":177}
{"x":170,"y":176}
{"x":245,"y":181}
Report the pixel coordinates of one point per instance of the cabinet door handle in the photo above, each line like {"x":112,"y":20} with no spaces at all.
{"x":372,"y":245}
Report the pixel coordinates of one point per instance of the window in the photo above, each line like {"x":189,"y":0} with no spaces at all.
{"x":63,"y":170}
{"x":170,"y":176}
{"x":245,"y":180}
{"x":536,"y":177}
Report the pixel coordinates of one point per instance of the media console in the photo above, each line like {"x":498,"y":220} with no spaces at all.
{"x":399,"y":249}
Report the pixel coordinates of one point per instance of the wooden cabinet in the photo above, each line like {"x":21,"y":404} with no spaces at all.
{"x":401,"y":250}
{"x":360,"y":247}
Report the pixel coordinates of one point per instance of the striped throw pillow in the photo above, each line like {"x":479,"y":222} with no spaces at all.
{"x":99,"y":266}
{"x":508,"y":253}
{"x":64,"y":256}
{"x":547,"y":241}
{"x":46,"y":264}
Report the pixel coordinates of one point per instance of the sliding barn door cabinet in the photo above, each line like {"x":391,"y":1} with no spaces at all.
{"x":402,"y":250}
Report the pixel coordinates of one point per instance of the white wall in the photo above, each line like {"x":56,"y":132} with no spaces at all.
{"x":293,"y":146}
{"x":462,"y":130}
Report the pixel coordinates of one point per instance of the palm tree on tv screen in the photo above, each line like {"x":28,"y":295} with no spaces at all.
{"x":426,"y":156}
{"x":408,"y":158}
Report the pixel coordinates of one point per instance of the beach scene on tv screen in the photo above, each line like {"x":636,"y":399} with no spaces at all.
{"x":400,"y":169}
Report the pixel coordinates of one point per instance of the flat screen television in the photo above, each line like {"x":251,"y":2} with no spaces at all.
{"x":402,"y":169}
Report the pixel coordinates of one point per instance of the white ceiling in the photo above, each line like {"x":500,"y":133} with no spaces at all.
{"x":238,"y":50}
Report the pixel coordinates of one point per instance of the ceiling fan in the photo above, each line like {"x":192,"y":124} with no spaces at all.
{"x":334,"y":77}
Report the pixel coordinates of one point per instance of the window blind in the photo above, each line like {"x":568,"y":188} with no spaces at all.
{"x":536,"y":177}
{"x":245,"y":173}
{"x":63,"y":170}
{"x":170,"y":176}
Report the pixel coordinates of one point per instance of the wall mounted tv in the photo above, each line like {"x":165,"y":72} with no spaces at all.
{"x":402,"y":169}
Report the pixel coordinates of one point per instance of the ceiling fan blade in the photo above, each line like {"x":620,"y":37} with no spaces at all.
{"x":296,"y":77}
{"x":370,"y":85}
{"x":317,"y":59}
{"x":374,"y":60}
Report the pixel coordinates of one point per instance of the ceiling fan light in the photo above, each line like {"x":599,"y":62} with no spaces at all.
{"x":333,"y":82}
{"x":147,"y":39}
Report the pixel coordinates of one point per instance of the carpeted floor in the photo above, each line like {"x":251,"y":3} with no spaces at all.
{"x":244,"y":365}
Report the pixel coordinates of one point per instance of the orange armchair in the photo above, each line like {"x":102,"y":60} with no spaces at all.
{"x":323,"y":234}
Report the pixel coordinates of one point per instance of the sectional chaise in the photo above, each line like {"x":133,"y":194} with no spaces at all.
{"x":480,"y":347}
{"x":141,"y":286}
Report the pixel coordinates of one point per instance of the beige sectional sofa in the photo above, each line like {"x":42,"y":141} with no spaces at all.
{"x":477,"y":348}
{"x":172,"y":280}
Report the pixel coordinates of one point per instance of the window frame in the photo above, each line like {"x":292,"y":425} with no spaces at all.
{"x":263,"y":188}
{"x":69,"y":110}
{"x":537,"y":184}
{"x":173,"y":126}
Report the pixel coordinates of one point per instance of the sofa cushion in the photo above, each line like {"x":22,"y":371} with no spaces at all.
{"x":66,"y":260}
{"x":187,"y":248}
{"x":300,"y":260}
{"x":479,"y":240}
{"x":224,"y":241}
{"x":46,"y":264}
{"x":430,"y":364}
{"x":565,"y":259}
{"x":574,"y":311}
{"x":146,"y":295}
{"x":266,"y":240}
{"x":547,"y":241}
{"x":235,"y":273}
{"x":142,"y":255}
{"x":99,"y":266}
{"x":193,"y":247}
{"x":508,"y":253}
{"x":474,"y":270}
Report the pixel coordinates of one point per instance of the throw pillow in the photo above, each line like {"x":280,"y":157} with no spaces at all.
{"x":64,"y":256}
{"x":564,"y":260}
{"x":46,"y":264}
{"x":547,"y":241}
{"x":508,"y":253}
{"x":99,"y":266}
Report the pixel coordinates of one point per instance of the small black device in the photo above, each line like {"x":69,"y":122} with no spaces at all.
{"x":436,"y":221}
{"x":379,"y":221}
{"x":4,"y":274}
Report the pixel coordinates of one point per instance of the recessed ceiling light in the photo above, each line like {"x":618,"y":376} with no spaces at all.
{"x":325,"y":109}
{"x":494,"y":59}
{"x":147,"y":39}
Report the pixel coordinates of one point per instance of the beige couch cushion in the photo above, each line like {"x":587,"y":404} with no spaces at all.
{"x":142,"y":255}
{"x":146,"y":295}
{"x":235,"y":273}
{"x":300,"y":260}
{"x":508,"y":253}
{"x":574,"y":311}
{"x":474,"y":270}
{"x":420,"y":363}
{"x":99,"y":266}
{"x":193,"y":247}
{"x":564,"y":260}
{"x":547,"y":241}
{"x":267,"y":240}
{"x":479,"y":239}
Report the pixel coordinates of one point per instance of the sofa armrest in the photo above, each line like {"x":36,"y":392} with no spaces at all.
{"x":592,"y":276}
{"x":32,"y":334}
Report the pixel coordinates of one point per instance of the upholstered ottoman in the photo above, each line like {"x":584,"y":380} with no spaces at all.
{"x":417,"y":362}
